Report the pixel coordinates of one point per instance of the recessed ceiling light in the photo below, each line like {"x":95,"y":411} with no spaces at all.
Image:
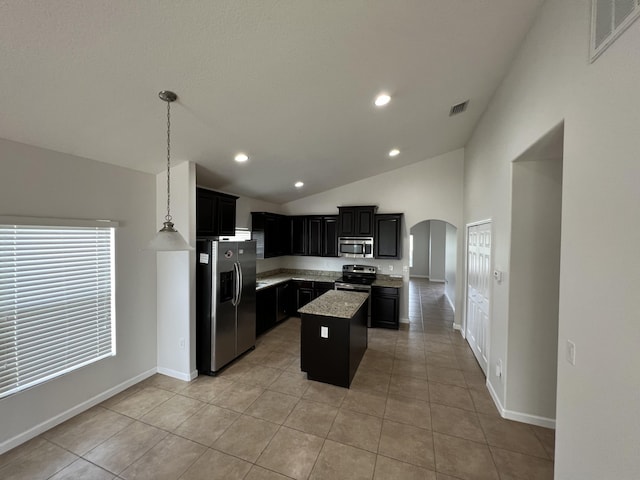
{"x":382,"y":100}
{"x":394,"y":153}
{"x":241,"y":157}
{"x":299,"y":184}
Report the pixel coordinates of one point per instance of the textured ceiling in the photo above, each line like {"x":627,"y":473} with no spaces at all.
{"x":290,"y":82}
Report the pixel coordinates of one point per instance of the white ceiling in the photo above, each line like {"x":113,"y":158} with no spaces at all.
{"x":290,"y":82}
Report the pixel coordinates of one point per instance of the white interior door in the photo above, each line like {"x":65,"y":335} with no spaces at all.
{"x":478,"y":290}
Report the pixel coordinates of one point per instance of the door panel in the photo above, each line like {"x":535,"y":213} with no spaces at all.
{"x":478,"y":290}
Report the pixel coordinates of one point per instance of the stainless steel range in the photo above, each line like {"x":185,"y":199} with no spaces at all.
{"x":357,"y":278}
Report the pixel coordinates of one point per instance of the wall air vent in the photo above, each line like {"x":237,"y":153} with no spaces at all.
{"x":609,"y":18}
{"x":459,"y":108}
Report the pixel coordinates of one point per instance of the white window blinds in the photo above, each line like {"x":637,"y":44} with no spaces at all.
{"x":56,"y":301}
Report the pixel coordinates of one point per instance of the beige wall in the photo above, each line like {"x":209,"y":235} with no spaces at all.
{"x":431,"y":189}
{"x":551,"y":80}
{"x":42,"y":183}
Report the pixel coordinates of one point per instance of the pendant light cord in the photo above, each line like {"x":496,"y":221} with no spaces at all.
{"x":168,"y":216}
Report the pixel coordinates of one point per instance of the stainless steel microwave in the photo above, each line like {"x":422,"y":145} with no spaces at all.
{"x":355,"y":247}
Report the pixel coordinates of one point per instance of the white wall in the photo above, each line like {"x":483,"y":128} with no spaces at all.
{"x":176,"y":354}
{"x":534,"y":288}
{"x":437,"y":244}
{"x":551,"y":80}
{"x":422,"y":191}
{"x":43,"y":183}
{"x":420,"y":234}
{"x":451,"y":264}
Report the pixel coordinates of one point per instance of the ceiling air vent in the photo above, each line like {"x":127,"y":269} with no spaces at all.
{"x":459,"y":108}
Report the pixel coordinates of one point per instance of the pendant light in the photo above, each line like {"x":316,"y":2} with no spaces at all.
{"x":168,"y":238}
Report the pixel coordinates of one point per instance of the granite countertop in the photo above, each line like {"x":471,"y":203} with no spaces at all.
{"x":269,"y":280}
{"x":336,"y":303}
{"x":388,"y":281}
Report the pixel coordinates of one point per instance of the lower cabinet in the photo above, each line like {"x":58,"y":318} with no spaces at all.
{"x":385,"y":307}
{"x":307,"y":290}
{"x":273,"y":305}
{"x":266,"y":306}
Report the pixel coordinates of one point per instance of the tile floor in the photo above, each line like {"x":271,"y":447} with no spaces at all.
{"x":417,"y":409}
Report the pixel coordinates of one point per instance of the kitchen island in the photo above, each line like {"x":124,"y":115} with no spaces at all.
{"x":333,"y":336}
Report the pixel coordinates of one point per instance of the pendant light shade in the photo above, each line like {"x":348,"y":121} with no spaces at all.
{"x":168,"y":238}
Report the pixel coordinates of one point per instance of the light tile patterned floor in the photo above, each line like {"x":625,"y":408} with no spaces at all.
{"x":417,"y":409}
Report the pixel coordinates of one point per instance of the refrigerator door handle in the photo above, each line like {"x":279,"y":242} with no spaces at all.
{"x":240,"y":282}
{"x":236,"y":277}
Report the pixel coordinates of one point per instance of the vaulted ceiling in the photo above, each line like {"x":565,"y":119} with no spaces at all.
{"x":289,"y":82}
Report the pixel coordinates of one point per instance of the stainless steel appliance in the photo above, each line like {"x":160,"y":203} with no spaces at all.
{"x":355,"y":247}
{"x":225,"y":302}
{"x":357,"y":278}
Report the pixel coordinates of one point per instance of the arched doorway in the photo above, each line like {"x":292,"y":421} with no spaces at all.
{"x":433,"y":251}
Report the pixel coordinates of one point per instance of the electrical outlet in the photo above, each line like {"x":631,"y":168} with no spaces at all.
{"x":571,"y":352}
{"x":499,"y":368}
{"x":181,"y":344}
{"x":324,"y":332}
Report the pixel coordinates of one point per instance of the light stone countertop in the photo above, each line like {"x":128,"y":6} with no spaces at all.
{"x":388,"y":281}
{"x":336,"y":303}
{"x":269,"y":280}
{"x":266,"y":280}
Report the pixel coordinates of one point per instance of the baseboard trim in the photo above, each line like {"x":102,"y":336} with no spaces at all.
{"x":72,"y":412}
{"x":457,"y":326}
{"x":453,"y":307}
{"x":419,"y":276}
{"x":530,"y":419}
{"x":519,"y":416}
{"x":187,"y":377}
{"x":437,"y":280}
{"x":404,"y":320}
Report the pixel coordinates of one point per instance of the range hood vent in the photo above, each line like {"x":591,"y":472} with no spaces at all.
{"x":459,"y":108}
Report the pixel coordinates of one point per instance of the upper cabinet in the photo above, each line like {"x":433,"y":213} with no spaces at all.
{"x":215,"y":213}
{"x":356,"y":221}
{"x":387,"y":241}
{"x":298,"y":235}
{"x":330,"y":236}
{"x":322,"y":235}
{"x":272,"y":233}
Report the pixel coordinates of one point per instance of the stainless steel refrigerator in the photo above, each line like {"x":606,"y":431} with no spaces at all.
{"x":225,"y":302}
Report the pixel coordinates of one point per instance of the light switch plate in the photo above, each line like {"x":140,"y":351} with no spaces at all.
{"x":324,"y":332}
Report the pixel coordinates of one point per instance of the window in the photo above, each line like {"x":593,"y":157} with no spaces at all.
{"x":242,"y":234}
{"x":57,"y":301}
{"x":609,"y":18}
{"x":411,"y":251}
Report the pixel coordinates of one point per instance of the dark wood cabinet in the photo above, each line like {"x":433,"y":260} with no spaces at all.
{"x":283,"y":246}
{"x":267,"y":231}
{"x":273,"y":305}
{"x":304,"y":293}
{"x":266,"y":307}
{"x":306,"y":290}
{"x":356,"y":221}
{"x":284,"y":301}
{"x":298,"y":235}
{"x":385,"y":307}
{"x":330,"y":236}
{"x":322,"y":287}
{"x":387,"y":243}
{"x":215,"y":213}
{"x":314,"y":237}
